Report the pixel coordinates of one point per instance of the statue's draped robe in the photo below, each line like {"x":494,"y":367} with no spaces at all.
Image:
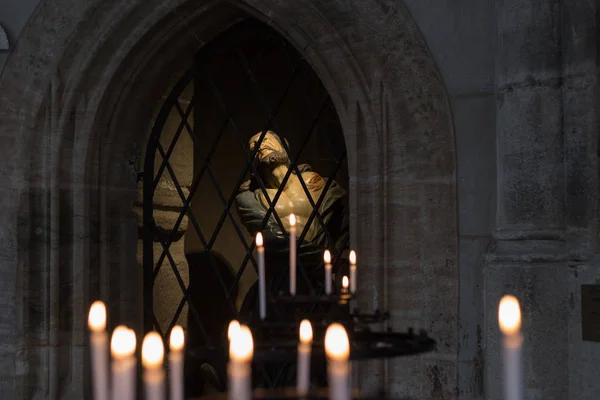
{"x":332,"y":211}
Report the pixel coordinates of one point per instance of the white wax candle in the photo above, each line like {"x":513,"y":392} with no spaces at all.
{"x":344,"y":284}
{"x":292,"y":254}
{"x":304,"y":351}
{"x":122,"y":346}
{"x":353,"y":272}
{"x":509,"y":318}
{"x":337,"y":349}
{"x":176,"y":342}
{"x":153,"y":354}
{"x":262,"y":284}
{"x":99,"y":350}
{"x":241,"y":349}
{"x":327,"y":259}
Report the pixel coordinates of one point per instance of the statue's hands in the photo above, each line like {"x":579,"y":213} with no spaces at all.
{"x":244,"y":187}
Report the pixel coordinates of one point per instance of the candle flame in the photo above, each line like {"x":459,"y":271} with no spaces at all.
{"x":292,"y":220}
{"x":234,"y":328}
{"x":241,"y":346}
{"x":259,"y":239}
{"x":97,"y":317}
{"x":337,"y":346}
{"x":509,"y":315}
{"x":176,"y":339}
{"x":122,"y":343}
{"x":352,"y":257}
{"x":306,"y":332}
{"x":327,"y":257}
{"x":153,"y":351}
{"x":345,"y":282}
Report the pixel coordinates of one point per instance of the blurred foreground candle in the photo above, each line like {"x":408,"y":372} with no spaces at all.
{"x":262,"y":287}
{"x":353,"y":272}
{"x":337,"y":349}
{"x":241,"y":349}
{"x":176,"y":342}
{"x":122,"y":346}
{"x":99,"y":348}
{"x":153,"y":353}
{"x":233,"y":329}
{"x":304,"y":350}
{"x":344,"y":284}
{"x":292,"y":254}
{"x":327,"y":259}
{"x":509,"y":318}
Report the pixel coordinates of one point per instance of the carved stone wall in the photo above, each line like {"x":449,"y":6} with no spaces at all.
{"x":77,"y":96}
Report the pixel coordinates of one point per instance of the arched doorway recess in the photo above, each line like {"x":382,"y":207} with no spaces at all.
{"x":95,"y":74}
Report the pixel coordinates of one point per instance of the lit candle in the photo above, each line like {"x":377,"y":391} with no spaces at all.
{"x":122,"y":346}
{"x":292,"y":254}
{"x":352,"y":272}
{"x":262,"y":287}
{"x":327,"y":259}
{"x":241,"y":349}
{"x":233,"y":329}
{"x":304,"y":350}
{"x":176,"y":342}
{"x":337,"y":349}
{"x":344,"y":284}
{"x":509,"y":318}
{"x":99,"y":349}
{"x":153,"y":354}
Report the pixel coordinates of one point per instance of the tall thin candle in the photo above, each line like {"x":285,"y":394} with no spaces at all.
{"x":304,"y":351}
{"x":344,"y":284}
{"x":176,"y":343}
{"x":509,"y":318}
{"x":153,"y":354}
{"x":352,"y":272}
{"x":337,"y":349}
{"x":327,"y":259}
{"x":122,"y":345}
{"x":99,"y":349}
{"x":262,"y":284}
{"x":241,"y":350}
{"x":292,"y":254}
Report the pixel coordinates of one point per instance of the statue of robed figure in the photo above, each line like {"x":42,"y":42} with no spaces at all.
{"x":327,"y":229}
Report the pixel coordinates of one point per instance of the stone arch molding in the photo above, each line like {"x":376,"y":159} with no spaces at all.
{"x":76,"y":100}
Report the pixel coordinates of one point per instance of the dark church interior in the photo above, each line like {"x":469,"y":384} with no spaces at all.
{"x":307,"y":199}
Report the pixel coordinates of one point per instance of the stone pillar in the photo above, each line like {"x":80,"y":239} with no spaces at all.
{"x":528,"y":259}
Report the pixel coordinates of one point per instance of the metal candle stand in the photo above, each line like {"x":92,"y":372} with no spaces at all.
{"x":276,"y":340}
{"x":276,"y":337}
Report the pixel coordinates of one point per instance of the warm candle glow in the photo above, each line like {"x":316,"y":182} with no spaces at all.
{"x":153,"y":351}
{"x":259,"y":239}
{"x":241,"y":346}
{"x":306,"y":333}
{"x":352,"y":257}
{"x":327,"y":257}
{"x":122,"y":343}
{"x":97,"y":317}
{"x":292,"y":220}
{"x":337,"y":346}
{"x":234,"y":328}
{"x":509,"y":315}
{"x":345,"y":282}
{"x":176,"y":339}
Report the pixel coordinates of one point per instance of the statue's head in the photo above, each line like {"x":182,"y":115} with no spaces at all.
{"x":271,"y":152}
